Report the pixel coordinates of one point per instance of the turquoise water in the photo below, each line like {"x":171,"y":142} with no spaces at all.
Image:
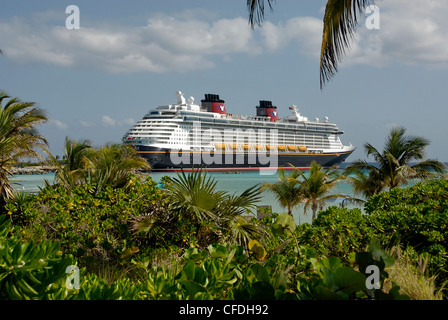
{"x":232,"y":183}
{"x":31,"y":182}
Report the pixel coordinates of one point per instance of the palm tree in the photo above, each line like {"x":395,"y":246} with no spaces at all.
{"x":366,"y":181}
{"x":240,"y":229}
{"x":73,"y":171}
{"x":393,"y":165}
{"x":286,"y":190}
{"x":112,"y":164}
{"x":315,"y":187}
{"x":195,"y":199}
{"x":340,"y":21}
{"x":18,"y":138}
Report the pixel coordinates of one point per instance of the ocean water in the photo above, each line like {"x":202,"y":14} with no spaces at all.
{"x":233,"y":183}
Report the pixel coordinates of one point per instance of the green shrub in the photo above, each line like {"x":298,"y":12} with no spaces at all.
{"x":416,"y":216}
{"x":31,"y":270}
{"x":86,"y":225}
{"x":336,"y":232}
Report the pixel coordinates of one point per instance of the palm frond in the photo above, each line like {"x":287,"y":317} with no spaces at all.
{"x":393,"y":165}
{"x":365,"y":178}
{"x":234,"y":205}
{"x":340,"y":21}
{"x":287,"y":190}
{"x":241,"y":231}
{"x":18,"y":137}
{"x":256,"y":10}
{"x":430,"y":165}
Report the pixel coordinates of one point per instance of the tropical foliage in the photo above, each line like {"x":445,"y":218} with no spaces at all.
{"x":286,"y":190}
{"x":18,"y":138}
{"x":316,"y":186}
{"x":312,"y":187}
{"x":394,"y":165}
{"x":210,"y":213}
{"x":109,"y":165}
{"x":71,"y":173}
{"x":87,"y":224}
{"x":158,"y":244}
{"x":415,"y":217}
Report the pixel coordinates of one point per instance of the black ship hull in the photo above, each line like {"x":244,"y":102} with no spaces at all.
{"x":173,"y":160}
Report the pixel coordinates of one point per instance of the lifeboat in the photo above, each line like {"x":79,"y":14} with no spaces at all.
{"x":269,"y":147}
{"x":221,"y":146}
{"x":259,"y":147}
{"x":301,"y":148}
{"x":234,"y":146}
{"x":292,"y":148}
{"x":246,"y":147}
{"x":281,"y":148}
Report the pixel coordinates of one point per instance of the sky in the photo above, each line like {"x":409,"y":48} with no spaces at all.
{"x":128,"y":57}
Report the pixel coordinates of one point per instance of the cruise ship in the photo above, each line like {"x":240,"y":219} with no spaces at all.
{"x":186,"y":135}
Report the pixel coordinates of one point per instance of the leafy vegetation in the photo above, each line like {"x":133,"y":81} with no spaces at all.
{"x":393,"y":165}
{"x":415,"y":217}
{"x":18,"y":138}
{"x":312,"y":188}
{"x":286,"y":190}
{"x":144,"y":242}
{"x":109,"y":165}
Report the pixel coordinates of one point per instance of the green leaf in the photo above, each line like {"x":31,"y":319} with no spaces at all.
{"x":280,"y":281}
{"x":364,"y":259}
{"x":189,"y":270}
{"x":286,"y":221}
{"x":323,"y":293}
{"x":261,"y":274}
{"x":217,"y":251}
{"x":331,"y":263}
{"x":328,"y":278}
{"x":349,"y":280}
{"x":257,"y":249}
{"x":377,"y":253}
{"x":192,"y":288}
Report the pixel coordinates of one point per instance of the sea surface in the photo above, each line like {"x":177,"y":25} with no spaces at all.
{"x":233,"y":183}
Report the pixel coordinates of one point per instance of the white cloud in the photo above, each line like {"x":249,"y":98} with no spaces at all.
{"x":108,"y":121}
{"x":127,"y":122}
{"x":87,"y":124}
{"x":164,"y":44}
{"x":412,"y":32}
{"x":307,"y":31}
{"x":59,"y":124}
{"x":111,"y":122}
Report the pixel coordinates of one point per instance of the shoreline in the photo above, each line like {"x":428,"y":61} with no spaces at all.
{"x":33,"y":170}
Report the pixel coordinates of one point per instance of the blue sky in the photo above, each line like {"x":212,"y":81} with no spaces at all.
{"x":131,"y":56}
